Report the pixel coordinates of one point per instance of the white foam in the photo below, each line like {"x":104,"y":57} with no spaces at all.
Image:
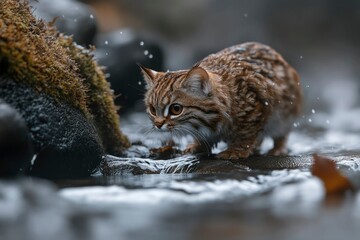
{"x":191,"y":192}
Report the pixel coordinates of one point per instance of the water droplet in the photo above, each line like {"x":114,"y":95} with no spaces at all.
{"x":120,"y":32}
{"x":327,"y":121}
{"x":91,"y":16}
{"x":150,"y":56}
{"x":307,"y":86}
{"x":106,"y":53}
{"x":313,"y":111}
{"x":146,"y":52}
{"x":139,"y":83}
{"x":141,"y":43}
{"x":106,"y":42}
{"x":301,"y":57}
{"x":245,"y":15}
{"x":266,"y":103}
{"x":295,"y":125}
{"x":309,"y":120}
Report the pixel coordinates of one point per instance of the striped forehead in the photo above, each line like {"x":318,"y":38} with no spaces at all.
{"x":164,"y":87}
{"x":169,"y":78}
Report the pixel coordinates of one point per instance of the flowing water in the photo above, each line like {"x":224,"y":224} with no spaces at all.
{"x":168,"y":195}
{"x":175,"y":196}
{"x":153,"y":195}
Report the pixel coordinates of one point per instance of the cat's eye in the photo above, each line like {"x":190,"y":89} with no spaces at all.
{"x":175,"y":109}
{"x":152,"y":110}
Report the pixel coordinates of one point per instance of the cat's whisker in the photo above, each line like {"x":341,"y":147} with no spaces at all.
{"x":198,"y":136}
{"x":150,"y":131}
{"x":204,"y":141}
{"x":227,"y":116}
{"x":177,"y":133}
{"x":145,"y":129}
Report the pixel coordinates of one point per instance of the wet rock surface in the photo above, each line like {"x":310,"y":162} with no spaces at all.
{"x":66,"y":144}
{"x":59,"y":90}
{"x":16,"y":149}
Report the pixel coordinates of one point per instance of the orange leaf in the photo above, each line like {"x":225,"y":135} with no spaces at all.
{"x":325,"y":169}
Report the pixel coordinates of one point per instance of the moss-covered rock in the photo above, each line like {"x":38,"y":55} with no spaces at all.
{"x":44,"y":74}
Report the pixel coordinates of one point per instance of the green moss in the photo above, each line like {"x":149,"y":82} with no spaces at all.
{"x":49,"y":62}
{"x":100,"y":97}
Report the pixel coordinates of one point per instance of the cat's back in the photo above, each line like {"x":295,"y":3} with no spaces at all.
{"x":246,"y":56}
{"x":257,"y":67}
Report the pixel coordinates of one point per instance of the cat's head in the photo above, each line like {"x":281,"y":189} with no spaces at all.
{"x":183,"y":102}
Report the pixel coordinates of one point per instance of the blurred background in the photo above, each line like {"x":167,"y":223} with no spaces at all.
{"x":320,"y":38}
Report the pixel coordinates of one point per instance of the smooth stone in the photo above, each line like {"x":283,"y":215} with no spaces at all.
{"x":120,"y":51}
{"x":16,"y":149}
{"x":72,"y":18}
{"x":66,"y":144}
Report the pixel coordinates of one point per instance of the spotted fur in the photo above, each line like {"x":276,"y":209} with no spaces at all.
{"x":238,"y":95}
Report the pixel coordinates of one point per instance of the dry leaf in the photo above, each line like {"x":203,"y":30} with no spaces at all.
{"x":325,"y":169}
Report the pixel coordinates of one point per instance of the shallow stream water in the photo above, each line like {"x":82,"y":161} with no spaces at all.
{"x":175,"y":196}
{"x":143,"y":195}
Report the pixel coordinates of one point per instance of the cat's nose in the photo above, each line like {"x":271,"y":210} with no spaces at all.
{"x":159,"y":124}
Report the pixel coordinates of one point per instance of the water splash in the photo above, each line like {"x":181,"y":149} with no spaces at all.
{"x":183,"y":164}
{"x":185,"y":191}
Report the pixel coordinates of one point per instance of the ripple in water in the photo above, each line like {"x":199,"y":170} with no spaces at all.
{"x":178,"y":191}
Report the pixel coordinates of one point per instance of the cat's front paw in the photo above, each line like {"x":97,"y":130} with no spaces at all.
{"x":193,"y":148}
{"x":277,"y":152}
{"x":233,"y":154}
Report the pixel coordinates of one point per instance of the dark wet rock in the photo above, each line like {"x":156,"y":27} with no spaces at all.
{"x":124,"y":74}
{"x":133,"y":165}
{"x":15,"y":145}
{"x":72,"y":18}
{"x":60,"y":91}
{"x":200,"y":164}
{"x":141,"y":160}
{"x":66,"y":143}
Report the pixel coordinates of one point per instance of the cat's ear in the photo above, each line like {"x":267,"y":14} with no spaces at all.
{"x":197,"y":80}
{"x":149,"y":76}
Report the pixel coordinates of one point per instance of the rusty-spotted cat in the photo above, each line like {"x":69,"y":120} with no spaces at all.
{"x":239,"y":95}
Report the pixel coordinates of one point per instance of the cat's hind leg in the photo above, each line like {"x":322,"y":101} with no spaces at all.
{"x":237,"y":150}
{"x":279,"y":146}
